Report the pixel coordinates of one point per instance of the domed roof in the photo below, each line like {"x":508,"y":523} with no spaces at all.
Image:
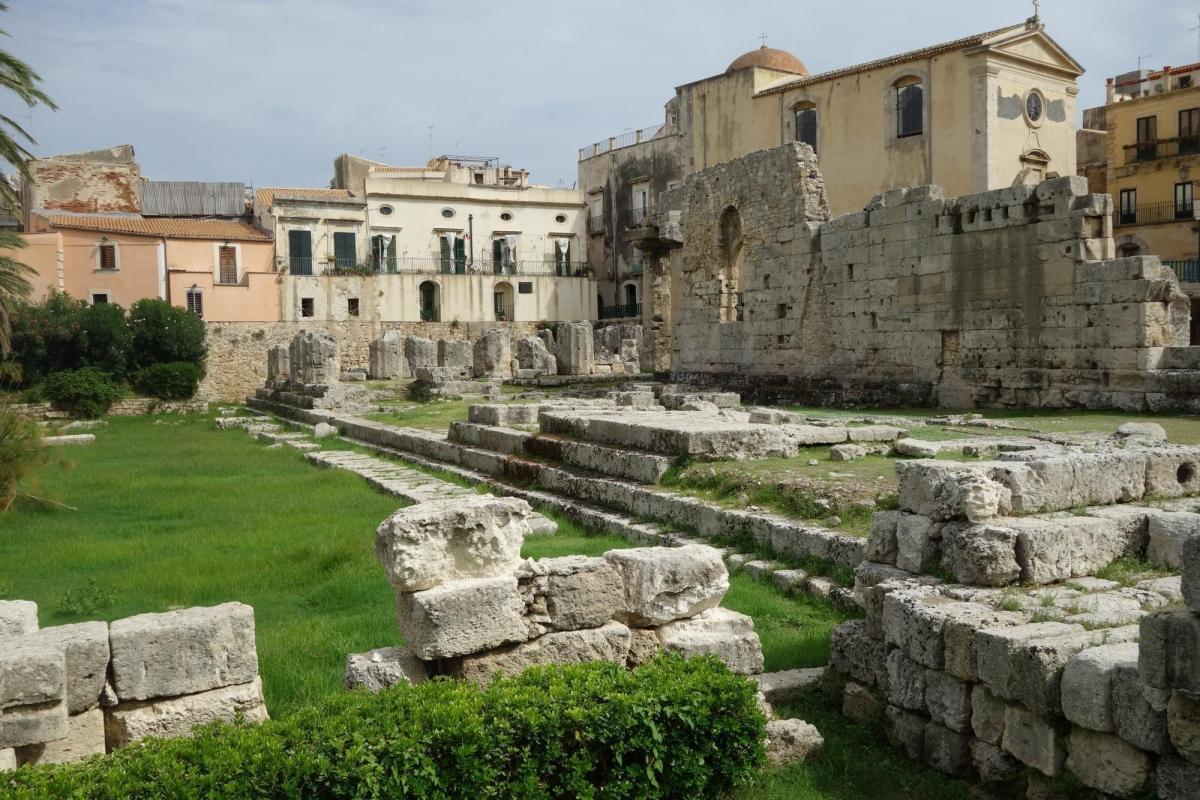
{"x":769,"y":58}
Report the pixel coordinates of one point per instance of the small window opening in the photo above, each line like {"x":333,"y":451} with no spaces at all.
{"x":306,"y":306}
{"x":352,"y":306}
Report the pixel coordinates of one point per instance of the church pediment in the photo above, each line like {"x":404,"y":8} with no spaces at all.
{"x":1034,"y":48}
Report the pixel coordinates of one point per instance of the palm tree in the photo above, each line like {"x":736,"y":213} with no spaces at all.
{"x":17,"y":77}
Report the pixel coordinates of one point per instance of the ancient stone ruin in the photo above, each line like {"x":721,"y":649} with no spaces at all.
{"x":308,"y":374}
{"x":72,"y":691}
{"x":1005,"y":298}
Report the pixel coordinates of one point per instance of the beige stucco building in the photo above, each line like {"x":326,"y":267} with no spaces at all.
{"x":458,"y":239}
{"x":982,"y":112}
{"x":1153,"y":123}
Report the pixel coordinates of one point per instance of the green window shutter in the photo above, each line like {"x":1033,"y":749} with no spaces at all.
{"x":460,"y":256}
{"x":445,"y":254}
{"x":300,"y":252}
{"x":498,"y":256}
{"x":344,"y":251}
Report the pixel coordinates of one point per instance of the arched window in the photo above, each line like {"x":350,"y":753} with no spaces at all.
{"x":806,"y":124}
{"x":502,"y":301}
{"x":631,"y":297}
{"x":731,"y":266}
{"x":910,"y":107}
{"x":1129,"y":250}
{"x":430,"y":299}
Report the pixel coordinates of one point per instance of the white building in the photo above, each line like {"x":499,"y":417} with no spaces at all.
{"x":459,"y":239}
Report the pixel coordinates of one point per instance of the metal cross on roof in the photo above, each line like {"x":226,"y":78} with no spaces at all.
{"x":762,"y":37}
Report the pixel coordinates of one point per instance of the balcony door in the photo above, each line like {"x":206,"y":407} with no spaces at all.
{"x":1147,"y":138}
{"x":1128,"y":210}
{"x":1183,"y":200}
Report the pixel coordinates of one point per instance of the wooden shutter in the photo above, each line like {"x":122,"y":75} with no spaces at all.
{"x":460,"y":256}
{"x":343,"y":249}
{"x":300,"y":252}
{"x":498,"y":256}
{"x":445,"y":252}
{"x":108,"y":256}
{"x":227,"y":263}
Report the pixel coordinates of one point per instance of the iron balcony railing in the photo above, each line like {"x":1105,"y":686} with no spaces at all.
{"x":454,"y":265}
{"x":1186,"y":271}
{"x":595,"y":223}
{"x":617,"y":142}
{"x":637,"y":217}
{"x":548,"y":268}
{"x":1155,"y":149}
{"x":300,"y":265}
{"x":1155,"y":213}
{"x":623,"y":311}
{"x":429,"y":315}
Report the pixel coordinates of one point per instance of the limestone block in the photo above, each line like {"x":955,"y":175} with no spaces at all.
{"x":429,"y":543}
{"x":996,"y":652}
{"x":725,"y":634}
{"x":419,"y":353}
{"x":33,"y":724}
{"x":462,"y":617}
{"x":1036,"y":671}
{"x":456,"y":354}
{"x":531,"y":353}
{"x":915,"y":448}
{"x":980,"y":555}
{"x":1183,"y":724}
{"x":668,"y":583}
{"x":314,"y":358}
{"x":279,"y":364}
{"x":385,"y":357}
{"x":1169,"y":652}
{"x":575,"y":348}
{"x":946,"y":750}
{"x":905,"y":730}
{"x":381,"y":668}
{"x":987,"y":714}
{"x":85,"y":647}
{"x":8,"y":759}
{"x":644,"y":645}
{"x":1167,"y":533}
{"x":1189,"y":585}
{"x":993,"y":764}
{"x":31,"y":673}
{"x":948,"y":700}
{"x":853,"y":652}
{"x":609,"y":642}
{"x":176,"y":716}
{"x":950,"y":490}
{"x":1176,"y":778}
{"x":1059,"y":549}
{"x":847,"y":452}
{"x":1036,"y":742}
{"x":1106,"y":762}
{"x":571,"y":592}
{"x":181,"y":652}
{"x":790,"y":741}
{"x":1087,"y":684}
{"x":861,"y":705}
{"x":916,"y":544}
{"x":781,"y":688}
{"x":85,"y":737}
{"x":906,"y":681}
{"x":881,"y":542}
{"x":1150,"y":431}
{"x":913,"y":620}
{"x":323,"y":430}
{"x":17,"y":617}
{"x":1139,"y":711}
{"x":958,"y":635}
{"x":1172,"y":471}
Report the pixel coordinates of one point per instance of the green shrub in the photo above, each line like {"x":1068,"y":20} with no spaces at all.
{"x":164,"y":334}
{"x":20,"y":452}
{"x":670,"y":729}
{"x":104,"y":339}
{"x":86,"y":392}
{"x":174,"y":381}
{"x":45,"y":336}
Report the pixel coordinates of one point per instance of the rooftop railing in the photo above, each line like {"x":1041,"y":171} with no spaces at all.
{"x":617,"y":142}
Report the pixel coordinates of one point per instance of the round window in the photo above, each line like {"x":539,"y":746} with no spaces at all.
{"x":386,"y":210}
{"x":1034,"y":106}
{"x":506,"y":215}
{"x":561,"y":218}
{"x":447,"y":212}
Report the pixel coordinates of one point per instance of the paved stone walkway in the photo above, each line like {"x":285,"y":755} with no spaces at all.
{"x":388,"y":476}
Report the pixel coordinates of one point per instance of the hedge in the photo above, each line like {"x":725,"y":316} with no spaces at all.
{"x":175,"y":381}
{"x":86,"y":392}
{"x":673,"y":728}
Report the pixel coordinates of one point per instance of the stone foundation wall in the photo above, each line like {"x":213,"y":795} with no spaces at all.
{"x":1004,"y":298}
{"x":72,"y":691}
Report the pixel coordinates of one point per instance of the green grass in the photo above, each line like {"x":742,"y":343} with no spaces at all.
{"x":435,"y":415}
{"x":1128,"y":571}
{"x":181,"y":515}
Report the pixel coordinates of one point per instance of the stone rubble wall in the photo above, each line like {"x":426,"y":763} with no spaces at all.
{"x":470,"y":608}
{"x":126,"y":407}
{"x":1004,"y":298}
{"x":71,"y":691}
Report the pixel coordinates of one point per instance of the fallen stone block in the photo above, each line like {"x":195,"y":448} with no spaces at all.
{"x":457,"y":538}
{"x":1034,"y":741}
{"x":570,"y":592}
{"x":177,"y":716}
{"x":790,"y":741}
{"x":85,"y":737}
{"x":1087,"y":684}
{"x":725,"y":634}
{"x":668,"y":583}
{"x":462,"y":617}
{"x":382,"y":668}
{"x":85,"y":647}
{"x":323,"y":430}
{"x":610,"y":642}
{"x":847,"y":452}
{"x":915,"y":448}
{"x":69,"y":439}
{"x":18,"y":617}
{"x":782,"y":688}
{"x":1108,"y":763}
{"x":182,"y":652}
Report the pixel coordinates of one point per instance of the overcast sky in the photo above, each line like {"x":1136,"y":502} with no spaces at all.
{"x":269,"y":92}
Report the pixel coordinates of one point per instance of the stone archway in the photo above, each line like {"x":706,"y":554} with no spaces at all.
{"x":729,"y":254}
{"x":430,"y":297}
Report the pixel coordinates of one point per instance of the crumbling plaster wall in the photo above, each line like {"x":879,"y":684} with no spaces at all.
{"x":1007,"y":297}
{"x":102,"y":180}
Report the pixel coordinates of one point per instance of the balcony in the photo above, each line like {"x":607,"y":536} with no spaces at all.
{"x":624,"y":311}
{"x":300,"y":265}
{"x":595,"y":223}
{"x":1185,"y":271}
{"x":638,"y":217}
{"x":439,"y":265}
{"x":1155,"y":214}
{"x":624,"y":140}
{"x":1142,"y":152}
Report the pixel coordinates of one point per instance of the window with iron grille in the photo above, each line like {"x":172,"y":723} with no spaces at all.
{"x":227,"y":263}
{"x":195,"y":302}
{"x":910,"y":102}
{"x":806,"y":126}
{"x":99,"y":298}
{"x":108,"y":256}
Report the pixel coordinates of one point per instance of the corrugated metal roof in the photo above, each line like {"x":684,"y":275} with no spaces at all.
{"x":218,"y":229}
{"x":193,"y":199}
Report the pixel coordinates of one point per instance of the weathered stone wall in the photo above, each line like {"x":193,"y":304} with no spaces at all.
{"x":71,"y":691}
{"x":1004,"y":298}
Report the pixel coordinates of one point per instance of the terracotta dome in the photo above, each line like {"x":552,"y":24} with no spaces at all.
{"x":769,"y":58}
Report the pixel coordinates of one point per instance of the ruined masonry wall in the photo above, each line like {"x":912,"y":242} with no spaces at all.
{"x":1004,"y":298}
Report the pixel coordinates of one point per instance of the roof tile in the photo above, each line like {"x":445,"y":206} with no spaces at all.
{"x":176,"y":228}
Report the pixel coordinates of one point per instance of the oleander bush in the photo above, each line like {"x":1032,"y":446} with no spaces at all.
{"x":174,"y":381}
{"x":165,"y":334}
{"x":86,"y":392}
{"x":672,"y":729}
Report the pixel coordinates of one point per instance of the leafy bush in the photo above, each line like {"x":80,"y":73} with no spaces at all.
{"x":673,"y":728}
{"x":165,"y":334}
{"x":86,"y":600}
{"x":86,"y":392}
{"x":104,"y":338}
{"x":45,"y":336}
{"x":175,"y":381}
{"x":20,"y":452}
